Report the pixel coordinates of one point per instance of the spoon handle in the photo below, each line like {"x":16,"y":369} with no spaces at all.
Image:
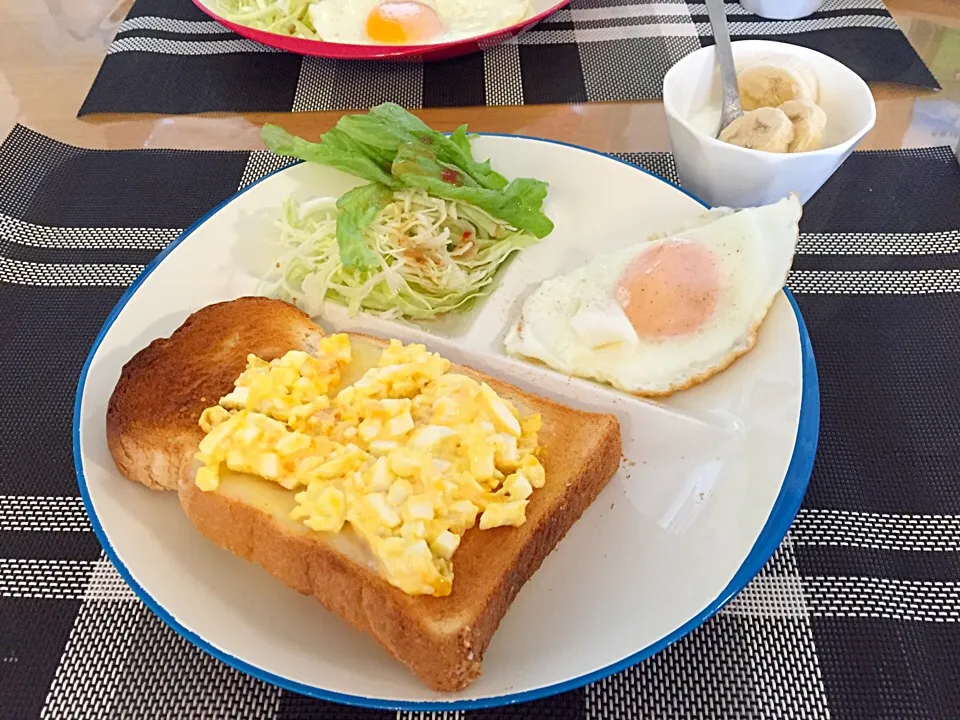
{"x":731,"y":109}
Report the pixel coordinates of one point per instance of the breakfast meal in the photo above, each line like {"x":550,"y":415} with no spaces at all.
{"x":413,"y":498}
{"x":425,"y":236}
{"x":379,"y":22}
{"x":666,"y":314}
{"x":779,"y":99}
{"x":410,"y":496}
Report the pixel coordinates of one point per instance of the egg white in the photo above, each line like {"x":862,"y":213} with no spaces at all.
{"x":342,"y":21}
{"x":466,"y":18}
{"x":346,"y":20}
{"x":755,"y":249}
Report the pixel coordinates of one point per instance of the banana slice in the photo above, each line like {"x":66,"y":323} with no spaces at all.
{"x":772,"y":86}
{"x":813,"y":85}
{"x":809,"y":123}
{"x":766,"y":129}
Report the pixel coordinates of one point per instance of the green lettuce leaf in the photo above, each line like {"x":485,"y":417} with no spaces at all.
{"x":366,"y":146}
{"x":375,"y":137}
{"x":356,"y":209}
{"x":519,"y":203}
{"x":447,"y":149}
{"x":461,"y":139}
{"x":336,"y":149}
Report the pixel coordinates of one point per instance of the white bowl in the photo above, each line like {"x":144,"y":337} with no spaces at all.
{"x":782,"y":9}
{"x":728,"y":175}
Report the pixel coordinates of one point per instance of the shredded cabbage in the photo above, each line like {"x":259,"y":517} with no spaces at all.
{"x":285,"y":17}
{"x":434,"y":256}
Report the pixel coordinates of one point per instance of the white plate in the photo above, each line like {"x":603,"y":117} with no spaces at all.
{"x":712,"y":480}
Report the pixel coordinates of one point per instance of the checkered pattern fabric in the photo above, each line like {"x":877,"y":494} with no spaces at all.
{"x":856,"y":616}
{"x":169,"y":57}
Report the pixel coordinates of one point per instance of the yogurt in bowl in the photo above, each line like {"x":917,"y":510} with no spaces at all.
{"x":724,"y":174}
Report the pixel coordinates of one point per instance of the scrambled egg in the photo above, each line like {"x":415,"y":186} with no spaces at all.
{"x":409,"y":456}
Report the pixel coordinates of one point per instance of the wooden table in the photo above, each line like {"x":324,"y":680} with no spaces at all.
{"x":53,"y":49}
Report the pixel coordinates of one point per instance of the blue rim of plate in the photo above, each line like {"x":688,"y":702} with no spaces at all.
{"x":781,"y":516}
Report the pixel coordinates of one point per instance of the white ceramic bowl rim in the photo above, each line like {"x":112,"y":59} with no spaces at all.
{"x":771,"y":156}
{"x":774,"y":530}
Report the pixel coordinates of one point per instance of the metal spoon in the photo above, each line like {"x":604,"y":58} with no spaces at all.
{"x":730,"y":110}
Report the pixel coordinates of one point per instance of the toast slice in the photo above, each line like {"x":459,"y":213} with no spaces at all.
{"x":441,"y":639}
{"x":152,"y":416}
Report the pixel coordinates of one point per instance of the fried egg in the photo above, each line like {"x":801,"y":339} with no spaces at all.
{"x":663,"y":315}
{"x":412,"y":22}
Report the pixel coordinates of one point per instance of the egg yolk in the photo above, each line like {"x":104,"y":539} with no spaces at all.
{"x":670,"y":289}
{"x":399,"y":23}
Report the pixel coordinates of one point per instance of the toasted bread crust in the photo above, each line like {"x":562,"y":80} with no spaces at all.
{"x":153,"y":435}
{"x":152,"y":416}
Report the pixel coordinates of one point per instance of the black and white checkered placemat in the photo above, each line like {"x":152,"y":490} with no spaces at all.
{"x":857,"y":616}
{"x":168,"y":57}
